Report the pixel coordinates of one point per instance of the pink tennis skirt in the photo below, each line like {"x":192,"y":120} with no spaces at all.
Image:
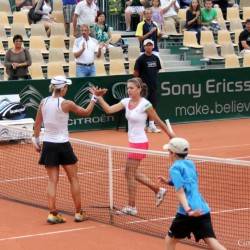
{"x":137,"y":156}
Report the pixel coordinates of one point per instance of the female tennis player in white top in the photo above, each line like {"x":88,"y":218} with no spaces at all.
{"x":53,"y":112}
{"x":137,"y":110}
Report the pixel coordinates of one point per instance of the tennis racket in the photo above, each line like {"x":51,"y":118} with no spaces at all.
{"x":169,"y":125}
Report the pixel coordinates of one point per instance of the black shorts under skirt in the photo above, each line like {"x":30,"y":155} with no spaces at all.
{"x":55,"y":154}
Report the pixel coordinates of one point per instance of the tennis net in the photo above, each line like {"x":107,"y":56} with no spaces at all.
{"x":224,"y":184}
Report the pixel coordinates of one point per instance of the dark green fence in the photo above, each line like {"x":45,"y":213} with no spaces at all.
{"x":184,"y":96}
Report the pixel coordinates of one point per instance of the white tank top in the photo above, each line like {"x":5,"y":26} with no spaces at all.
{"x":55,"y":120}
{"x":46,"y":9}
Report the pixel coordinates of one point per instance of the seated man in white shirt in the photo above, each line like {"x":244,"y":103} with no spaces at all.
{"x":85,"y":49}
{"x":85,"y":13}
{"x":170,"y":11}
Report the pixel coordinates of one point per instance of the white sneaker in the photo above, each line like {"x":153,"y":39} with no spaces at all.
{"x":128,"y":210}
{"x":160,"y":196}
{"x":152,"y":129}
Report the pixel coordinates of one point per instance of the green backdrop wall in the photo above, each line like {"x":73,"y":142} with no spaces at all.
{"x":183,"y":96}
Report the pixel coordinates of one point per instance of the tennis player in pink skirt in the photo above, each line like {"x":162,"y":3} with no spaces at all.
{"x":138,"y":109}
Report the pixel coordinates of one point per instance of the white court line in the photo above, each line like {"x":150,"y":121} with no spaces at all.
{"x":172,"y":217}
{"x":241,"y":145}
{"x":25,"y":179}
{"x":61,"y":175}
{"x":44,"y":234}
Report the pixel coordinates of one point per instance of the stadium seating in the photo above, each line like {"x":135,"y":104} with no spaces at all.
{"x":5,"y":7}
{"x":210,"y":52}
{"x":246,"y":60}
{"x":190,"y":40}
{"x":19,"y":28}
{"x":4,"y":20}
{"x":56,"y":55}
{"x":21,"y":17}
{"x":37,"y":42}
{"x":100,"y":68}
{"x":53,"y":69}
{"x":207,"y":37}
{"x":232,"y":61}
{"x":57,"y":42}
{"x":39,"y":30}
{"x":227,"y":48}
{"x":3,"y":35}
{"x":72,"y":69}
{"x":36,"y":71}
{"x":116,"y":67}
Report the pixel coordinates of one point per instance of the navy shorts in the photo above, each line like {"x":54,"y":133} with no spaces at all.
{"x":182,"y":227}
{"x":55,"y":154}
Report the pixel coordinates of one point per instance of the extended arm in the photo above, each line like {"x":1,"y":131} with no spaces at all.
{"x":245,"y":45}
{"x":173,"y":3}
{"x":69,"y":106}
{"x":181,"y":196}
{"x":144,"y":37}
{"x":153,"y":116}
{"x":110,"y":109}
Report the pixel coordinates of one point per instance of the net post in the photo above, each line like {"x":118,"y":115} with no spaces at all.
{"x":111,"y":194}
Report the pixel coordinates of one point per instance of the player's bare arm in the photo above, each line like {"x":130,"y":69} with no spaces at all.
{"x":154,"y":117}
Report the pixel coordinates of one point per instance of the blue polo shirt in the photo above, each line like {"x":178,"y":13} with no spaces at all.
{"x":183,"y":174}
{"x":143,"y":28}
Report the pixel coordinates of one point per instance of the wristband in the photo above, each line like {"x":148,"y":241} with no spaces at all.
{"x":94,"y":98}
{"x":188,"y":211}
{"x":37,"y":140}
{"x":170,"y":183}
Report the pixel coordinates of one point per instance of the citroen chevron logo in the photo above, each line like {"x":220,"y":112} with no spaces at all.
{"x":31,"y":97}
{"x":83,"y":96}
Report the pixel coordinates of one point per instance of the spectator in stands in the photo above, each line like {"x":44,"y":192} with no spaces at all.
{"x":133,"y":7}
{"x":147,"y":67}
{"x":17,"y":60}
{"x":85,"y":13}
{"x":157,"y":14}
{"x":223,"y":5}
{"x":85,"y":49}
{"x":193,"y":21}
{"x":170,"y":11}
{"x":47,"y":18}
{"x":148,"y":29}
{"x":184,"y":4}
{"x":244,"y":39}
{"x":68,"y":13}
{"x":209,"y":17}
{"x":24,"y":5}
{"x":101,"y":31}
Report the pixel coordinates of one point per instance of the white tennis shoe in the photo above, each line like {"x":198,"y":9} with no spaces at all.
{"x":153,"y":129}
{"x":128,"y":210}
{"x":160,"y":196}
